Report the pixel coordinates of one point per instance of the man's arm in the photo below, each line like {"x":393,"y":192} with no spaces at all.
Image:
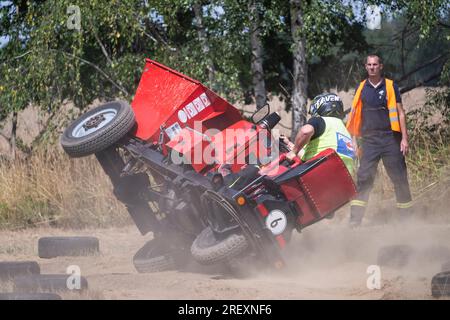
{"x":301,"y":139}
{"x":402,"y":119}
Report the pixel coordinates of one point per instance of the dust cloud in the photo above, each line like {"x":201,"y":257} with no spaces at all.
{"x":327,"y":260}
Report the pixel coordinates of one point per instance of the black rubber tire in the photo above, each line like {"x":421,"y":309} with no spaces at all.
{"x":51,"y":247}
{"x":46,"y":283}
{"x":440,"y":284}
{"x":396,"y":256}
{"x":102,"y":138}
{"x":153,"y":257}
{"x":29,"y":296}
{"x":12,"y":269}
{"x":155,"y":264}
{"x":206,"y":249}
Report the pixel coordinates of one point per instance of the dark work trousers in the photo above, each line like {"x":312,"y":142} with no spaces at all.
{"x":386,"y":146}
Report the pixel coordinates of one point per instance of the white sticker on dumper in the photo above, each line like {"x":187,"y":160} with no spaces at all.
{"x":276,"y":221}
{"x":193,"y":108}
{"x":173,"y":130}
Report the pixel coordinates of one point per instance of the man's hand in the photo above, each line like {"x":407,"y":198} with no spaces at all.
{"x":355,"y":147}
{"x":286,"y":141}
{"x":291,"y":155}
{"x":404,"y":147}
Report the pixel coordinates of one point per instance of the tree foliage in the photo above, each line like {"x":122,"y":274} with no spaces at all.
{"x":45,"y":62}
{"x":415,"y":42}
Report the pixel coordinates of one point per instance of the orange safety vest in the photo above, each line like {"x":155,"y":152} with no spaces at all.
{"x":355,"y":120}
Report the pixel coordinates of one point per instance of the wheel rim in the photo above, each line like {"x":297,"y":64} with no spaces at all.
{"x":94,"y":123}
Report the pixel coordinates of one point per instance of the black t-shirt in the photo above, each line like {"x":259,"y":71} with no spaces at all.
{"x":375,"y":114}
{"x":319,"y":126}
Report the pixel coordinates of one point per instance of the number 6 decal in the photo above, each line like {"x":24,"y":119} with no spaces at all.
{"x":276,"y":222}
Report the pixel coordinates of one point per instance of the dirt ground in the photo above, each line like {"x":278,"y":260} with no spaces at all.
{"x":326,"y":261}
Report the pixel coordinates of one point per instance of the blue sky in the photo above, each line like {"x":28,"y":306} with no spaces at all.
{"x":3,"y":40}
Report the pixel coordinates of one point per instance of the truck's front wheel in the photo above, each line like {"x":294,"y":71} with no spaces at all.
{"x":207,"y":249}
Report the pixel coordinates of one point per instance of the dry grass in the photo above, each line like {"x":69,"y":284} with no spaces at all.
{"x":50,"y":188}
{"x":429,"y":163}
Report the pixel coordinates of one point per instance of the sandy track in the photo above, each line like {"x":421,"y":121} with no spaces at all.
{"x":326,"y":261}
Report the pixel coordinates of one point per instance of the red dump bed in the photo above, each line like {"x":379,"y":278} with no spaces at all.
{"x":168,"y":98}
{"x":322,"y":189}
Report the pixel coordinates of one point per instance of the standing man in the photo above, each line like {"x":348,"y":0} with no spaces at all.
{"x":378,"y":120}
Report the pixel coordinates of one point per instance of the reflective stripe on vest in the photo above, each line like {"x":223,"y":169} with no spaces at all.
{"x":336,"y":137}
{"x":355,"y":120}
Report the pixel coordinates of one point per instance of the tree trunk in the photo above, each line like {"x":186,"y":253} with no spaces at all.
{"x":12,"y":140}
{"x":257,"y":55}
{"x":204,"y":43}
{"x":300,"y":81}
